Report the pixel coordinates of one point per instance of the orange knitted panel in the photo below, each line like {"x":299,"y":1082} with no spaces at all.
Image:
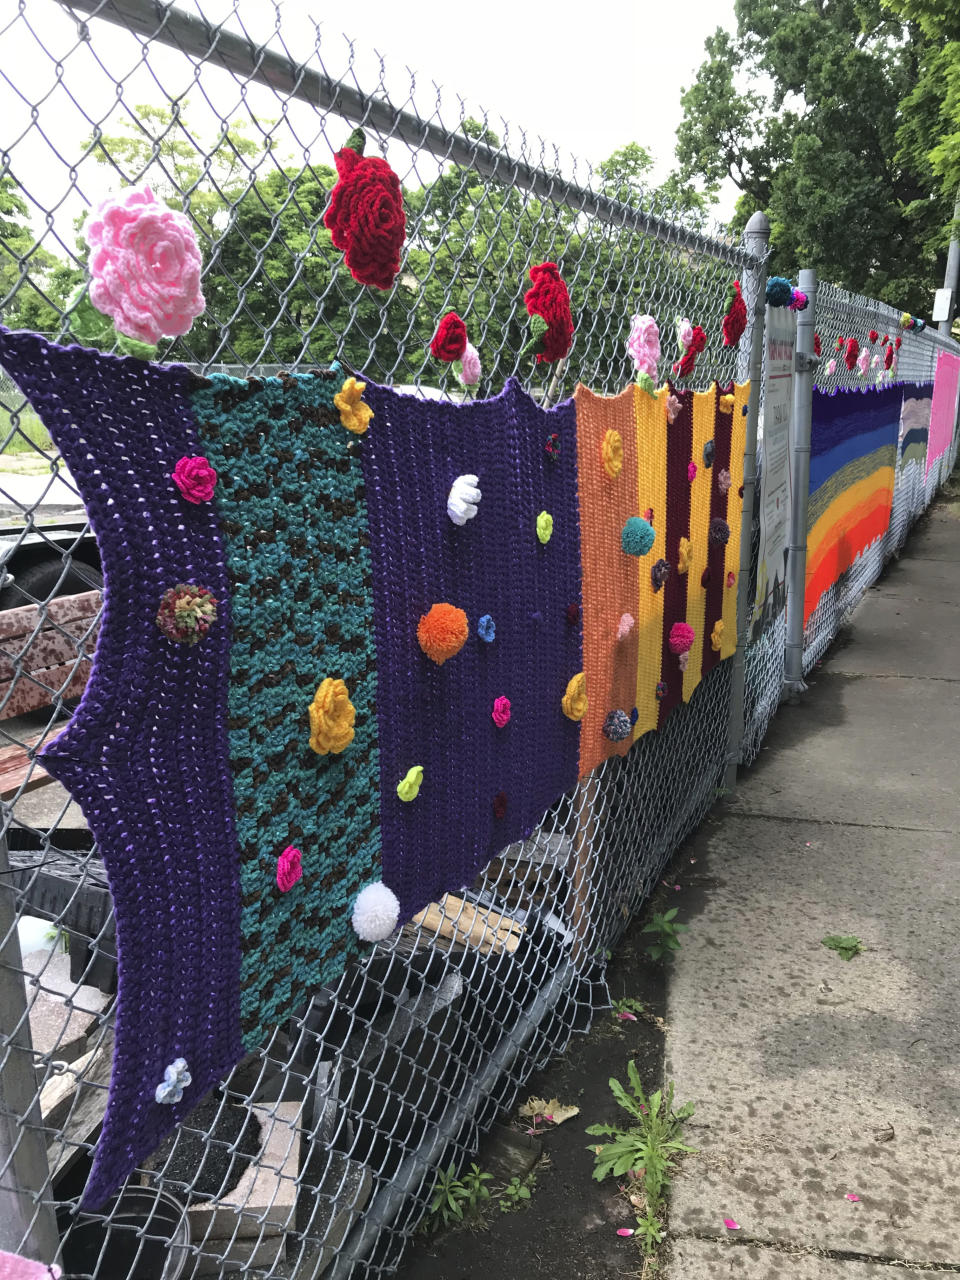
{"x":609,"y":574}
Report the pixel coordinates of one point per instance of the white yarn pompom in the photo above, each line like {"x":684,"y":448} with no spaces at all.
{"x":376,"y":912}
{"x":463,"y":499}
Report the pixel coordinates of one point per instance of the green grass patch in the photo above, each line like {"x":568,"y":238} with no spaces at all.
{"x":29,"y":436}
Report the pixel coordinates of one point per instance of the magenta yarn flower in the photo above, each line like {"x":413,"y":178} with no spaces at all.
{"x":501,"y":712}
{"x":643,"y":345}
{"x":144,"y":266}
{"x":470,"y":366}
{"x":289,"y":868}
{"x":681,"y":637}
{"x":691,"y":471}
{"x":195,"y":478}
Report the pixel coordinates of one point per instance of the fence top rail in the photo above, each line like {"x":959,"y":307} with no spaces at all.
{"x":197,"y":37}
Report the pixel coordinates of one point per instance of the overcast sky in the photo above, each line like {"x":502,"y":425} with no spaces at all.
{"x":587,"y":78}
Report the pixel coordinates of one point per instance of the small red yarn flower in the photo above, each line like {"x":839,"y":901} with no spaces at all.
{"x":838,"y":345}
{"x":888,"y":358}
{"x":874,"y":335}
{"x":500,"y":804}
{"x":186,"y":613}
{"x":817,"y":349}
{"x":450,"y":341}
{"x":735,"y":321}
{"x":851,"y":353}
{"x":899,"y":342}
{"x":548,"y":305}
{"x":365,"y":216}
{"x":699,"y":341}
{"x":195,"y":478}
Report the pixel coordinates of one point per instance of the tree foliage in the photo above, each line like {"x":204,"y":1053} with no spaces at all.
{"x":801,"y":110}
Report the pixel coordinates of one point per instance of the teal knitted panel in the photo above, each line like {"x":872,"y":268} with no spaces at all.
{"x":293,"y":518}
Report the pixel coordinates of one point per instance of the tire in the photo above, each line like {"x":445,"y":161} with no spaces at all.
{"x":41,"y":581}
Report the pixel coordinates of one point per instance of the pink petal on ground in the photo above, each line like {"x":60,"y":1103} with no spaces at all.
{"x":851,"y":1195}
{"x":627,"y":1017}
{"x":625,"y":1231}
{"x":731,"y":1224}
{"x":677,"y":887}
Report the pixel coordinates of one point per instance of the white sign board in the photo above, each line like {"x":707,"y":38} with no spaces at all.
{"x":781,"y":341}
{"x":941,"y":304}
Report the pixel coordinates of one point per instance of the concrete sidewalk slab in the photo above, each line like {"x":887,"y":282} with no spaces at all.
{"x":719,"y":1259}
{"x":899,"y":636}
{"x":935,"y":538}
{"x":920,"y":580}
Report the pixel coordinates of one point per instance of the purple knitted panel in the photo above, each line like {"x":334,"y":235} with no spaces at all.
{"x":440,"y":716}
{"x":146,"y":753}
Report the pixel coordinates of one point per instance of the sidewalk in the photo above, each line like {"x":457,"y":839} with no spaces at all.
{"x":815,"y":1078}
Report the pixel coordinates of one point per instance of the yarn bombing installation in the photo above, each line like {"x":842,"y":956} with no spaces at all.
{"x":548,"y":306}
{"x":735,"y":319}
{"x":144,"y":266}
{"x":357,"y":737}
{"x":365,"y":216}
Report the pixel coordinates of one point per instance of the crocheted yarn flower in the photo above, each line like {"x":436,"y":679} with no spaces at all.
{"x":611,"y":453}
{"x":501,"y":712}
{"x":719,"y":533}
{"x":144,"y":266}
{"x":731,"y":578}
{"x":709,"y":453}
{"x":365,"y":216}
{"x":176,"y":1078}
{"x":726,"y":403}
{"x":551,"y":446}
{"x":716,"y":636}
{"x":661,"y":690}
{"x":673,"y":408}
{"x":450,"y":341}
{"x":799,"y":300}
{"x":659,"y":574}
{"x":572,"y":612}
{"x":463,"y":499}
{"x":195,"y":478}
{"x":685,"y":555}
{"x":831,"y":368}
{"x":332,"y":717}
{"x":817,"y":348}
{"x":735,"y":320}
{"x":873,"y":335}
{"x":470,"y":370}
{"x":698,"y":341}
{"x":779,"y":292}
{"x":500,"y":804}
{"x":899,"y":342}
{"x":408,"y":788}
{"x":888,"y":357}
{"x":544,"y":527}
{"x":851,"y":353}
{"x":617,"y":726}
{"x":863,"y":361}
{"x":548,"y":305}
{"x":289,"y":868}
{"x":724,"y":480}
{"x":354,"y":414}
{"x":681,"y":637}
{"x":487,"y":629}
{"x":442,"y":632}
{"x":574,"y":701}
{"x":683,"y":660}
{"x":186,"y":613}
{"x":625,"y":626}
{"x":691,"y":471}
{"x":643,"y":348}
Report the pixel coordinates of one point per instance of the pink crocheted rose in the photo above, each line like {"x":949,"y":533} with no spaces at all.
{"x":289,"y":868}
{"x":144,"y":266}
{"x":501,"y":712}
{"x":470,"y":369}
{"x":691,"y":471}
{"x":643,"y":345}
{"x":195,"y":478}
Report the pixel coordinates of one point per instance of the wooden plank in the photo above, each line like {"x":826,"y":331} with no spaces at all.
{"x":18,"y":773}
{"x":38,"y":689}
{"x":471,"y":926}
{"x":60,"y":610}
{"x":49,"y":648}
{"x":85,"y":1110}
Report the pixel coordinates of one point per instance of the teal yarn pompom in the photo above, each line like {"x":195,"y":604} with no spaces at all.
{"x":638,"y":536}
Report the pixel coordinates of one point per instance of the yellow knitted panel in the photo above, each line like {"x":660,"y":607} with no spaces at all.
{"x":652,"y":429}
{"x":704,"y":420}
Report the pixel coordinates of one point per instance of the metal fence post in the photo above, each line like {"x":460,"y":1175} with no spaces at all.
{"x":757,"y":239}
{"x":27,"y":1222}
{"x":800,"y":487}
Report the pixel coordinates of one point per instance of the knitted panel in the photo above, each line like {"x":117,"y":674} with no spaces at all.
{"x":145,"y":754}
{"x":293,"y":519}
{"x":612,"y":583}
{"x":704,"y":429}
{"x":853,"y":451}
{"x":652,"y":429}
{"x":440,"y":716}
{"x":679,"y":456}
{"x":733,"y":517}
{"x":943,"y":408}
{"x":914,"y":423}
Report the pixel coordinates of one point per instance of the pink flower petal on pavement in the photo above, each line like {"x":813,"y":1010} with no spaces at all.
{"x":731,"y":1224}
{"x":627,"y":1017}
{"x":625,"y":1231}
{"x":851,"y":1195}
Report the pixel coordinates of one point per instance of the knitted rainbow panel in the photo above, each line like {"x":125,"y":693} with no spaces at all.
{"x":914,"y":423}
{"x":146,"y":753}
{"x":440,"y":716}
{"x":853,"y":456}
{"x":293,"y":519}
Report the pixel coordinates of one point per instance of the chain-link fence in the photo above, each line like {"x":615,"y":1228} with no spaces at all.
{"x":319,"y":1153}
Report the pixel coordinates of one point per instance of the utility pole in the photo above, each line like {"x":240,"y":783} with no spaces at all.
{"x":951,"y":277}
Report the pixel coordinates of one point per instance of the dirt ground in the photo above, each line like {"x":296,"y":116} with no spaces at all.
{"x":568,"y":1230}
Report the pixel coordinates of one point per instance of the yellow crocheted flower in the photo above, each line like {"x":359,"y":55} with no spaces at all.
{"x":611,"y":452}
{"x":574,"y":701}
{"x":716,"y":635}
{"x":408,"y":788}
{"x":332,"y":717}
{"x":686,"y":555}
{"x":726,"y":404}
{"x":544,"y":526}
{"x":354,"y":414}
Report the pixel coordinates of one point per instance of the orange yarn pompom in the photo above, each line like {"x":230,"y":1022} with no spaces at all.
{"x":442,"y":632}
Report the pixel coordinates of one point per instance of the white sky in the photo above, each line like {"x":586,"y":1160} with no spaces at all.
{"x":587,"y":77}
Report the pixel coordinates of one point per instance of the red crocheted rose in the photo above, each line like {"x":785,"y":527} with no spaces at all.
{"x":697,"y":344}
{"x":851,"y":353}
{"x":898,"y":342}
{"x":365,"y":218}
{"x":874,"y":335}
{"x":888,"y":357}
{"x":549,"y":299}
{"x":816,"y":344}
{"x":735,"y":321}
{"x":450,"y":341}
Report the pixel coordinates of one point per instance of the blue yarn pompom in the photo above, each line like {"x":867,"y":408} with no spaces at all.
{"x":637,"y":537}
{"x":779,"y":292}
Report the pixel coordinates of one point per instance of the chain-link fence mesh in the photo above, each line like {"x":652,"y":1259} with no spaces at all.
{"x":319,"y":1153}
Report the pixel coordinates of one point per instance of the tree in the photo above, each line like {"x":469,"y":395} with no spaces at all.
{"x":800,"y":110}
{"x":33,"y":282}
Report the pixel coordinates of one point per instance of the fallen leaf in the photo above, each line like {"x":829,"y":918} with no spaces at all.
{"x":553,"y":1111}
{"x":731,"y":1224}
{"x":638,"y":1202}
{"x":625,"y":1231}
{"x":851,"y":1195}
